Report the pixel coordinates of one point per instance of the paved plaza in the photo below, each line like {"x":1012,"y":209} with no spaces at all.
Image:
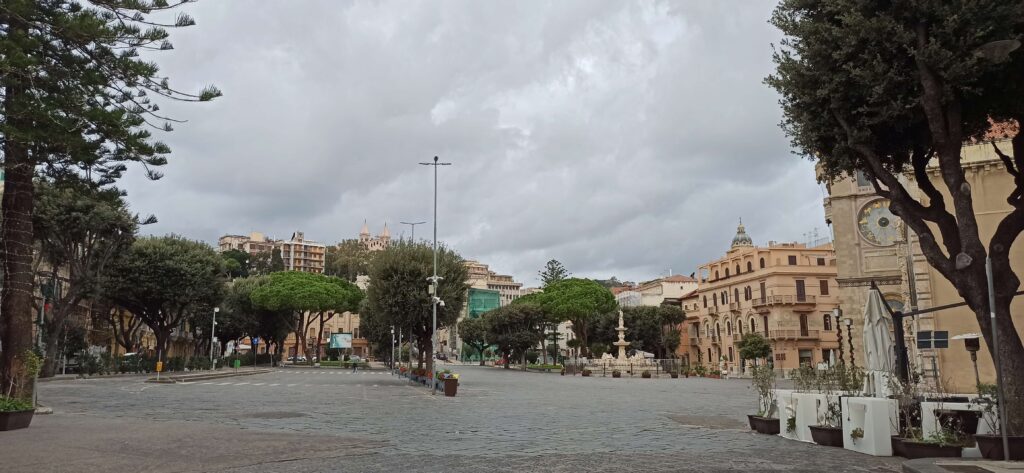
{"x":304,"y":419}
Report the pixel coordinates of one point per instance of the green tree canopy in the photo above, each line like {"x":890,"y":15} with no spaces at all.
{"x":348,"y":260}
{"x":474,"y":332}
{"x":754,"y":347}
{"x":236,"y":263}
{"x":397,"y":295}
{"x":77,"y":100}
{"x":579,"y":301}
{"x":164,"y":280}
{"x":894,"y":89}
{"x":514,"y":329}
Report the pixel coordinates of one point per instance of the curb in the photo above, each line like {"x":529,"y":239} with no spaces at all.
{"x":203,"y":377}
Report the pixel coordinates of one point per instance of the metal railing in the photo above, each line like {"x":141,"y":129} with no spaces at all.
{"x":785,"y":300}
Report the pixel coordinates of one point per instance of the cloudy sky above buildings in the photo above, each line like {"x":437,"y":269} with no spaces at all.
{"x":624,"y":139}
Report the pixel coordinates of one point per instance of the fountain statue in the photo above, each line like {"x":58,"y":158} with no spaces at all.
{"x":622,"y":343}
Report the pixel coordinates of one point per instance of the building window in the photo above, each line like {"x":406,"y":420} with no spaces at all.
{"x":739,"y":326}
{"x":736,"y":295}
{"x":750,"y":266}
{"x":765,"y":320}
{"x":780,"y":357}
{"x":728,"y":327}
{"x":705,"y":302}
{"x":709,"y":354}
{"x":801,"y":290}
{"x":803,"y":325}
{"x":792,"y":260}
{"x":726,"y":272}
{"x":764,"y":294}
{"x":826,"y":322}
{"x":730,"y":354}
{"x":821,"y":261}
{"x":714,"y":299}
{"x":716,"y":274}
{"x":762,"y":263}
{"x":929,"y":339}
{"x":824,"y":286}
{"x":753,"y":326}
{"x":737,"y":268}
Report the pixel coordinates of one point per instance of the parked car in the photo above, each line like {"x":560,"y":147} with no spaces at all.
{"x":440,"y":356}
{"x":297,"y":359}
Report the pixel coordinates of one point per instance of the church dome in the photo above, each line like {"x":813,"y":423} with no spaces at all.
{"x":741,"y":239}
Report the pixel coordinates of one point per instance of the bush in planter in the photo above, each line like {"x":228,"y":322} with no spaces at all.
{"x":586,"y":372}
{"x":616,"y":374}
{"x":673,"y":374}
{"x":834,"y":382}
{"x":763,"y":381}
{"x":991,"y":445}
{"x":17,"y":413}
{"x":645,"y":374}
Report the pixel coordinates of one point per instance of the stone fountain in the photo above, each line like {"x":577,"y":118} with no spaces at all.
{"x":621,"y":343}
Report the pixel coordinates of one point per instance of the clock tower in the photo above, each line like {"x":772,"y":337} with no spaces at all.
{"x":871,"y":247}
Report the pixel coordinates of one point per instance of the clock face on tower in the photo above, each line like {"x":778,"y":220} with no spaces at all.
{"x":877,"y":224}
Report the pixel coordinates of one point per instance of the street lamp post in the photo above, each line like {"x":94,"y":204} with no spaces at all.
{"x":435,"y":300}
{"x":213,"y":330}
{"x":392,"y":350}
{"x":413,"y":226}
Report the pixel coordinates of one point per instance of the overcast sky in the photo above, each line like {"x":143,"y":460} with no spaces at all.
{"x":624,"y":139}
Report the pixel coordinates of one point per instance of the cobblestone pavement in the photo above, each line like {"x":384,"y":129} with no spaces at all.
{"x":502,"y":420}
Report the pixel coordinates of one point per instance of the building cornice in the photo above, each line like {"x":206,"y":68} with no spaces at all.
{"x":865,"y":281}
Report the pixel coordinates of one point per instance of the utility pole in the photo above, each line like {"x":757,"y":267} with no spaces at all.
{"x":213,"y":330}
{"x":435,"y":300}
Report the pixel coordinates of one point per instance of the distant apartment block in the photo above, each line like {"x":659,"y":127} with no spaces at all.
{"x":298,"y":253}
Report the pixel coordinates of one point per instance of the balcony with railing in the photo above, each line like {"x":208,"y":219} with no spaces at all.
{"x":734,"y":306}
{"x":768,"y":301}
{"x":795,"y":334}
{"x":713,"y":309}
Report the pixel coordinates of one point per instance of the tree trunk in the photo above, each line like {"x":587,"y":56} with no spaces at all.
{"x":163,"y":336}
{"x":16,"y":233}
{"x":1011,"y":363}
{"x":51,"y":341}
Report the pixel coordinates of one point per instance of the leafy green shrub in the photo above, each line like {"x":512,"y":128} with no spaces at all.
{"x":10,"y":404}
{"x":532,"y":356}
{"x":645,"y":374}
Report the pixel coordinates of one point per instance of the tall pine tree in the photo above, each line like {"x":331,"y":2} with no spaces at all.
{"x":76,"y":100}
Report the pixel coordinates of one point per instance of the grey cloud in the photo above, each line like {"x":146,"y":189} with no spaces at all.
{"x":621,"y":138}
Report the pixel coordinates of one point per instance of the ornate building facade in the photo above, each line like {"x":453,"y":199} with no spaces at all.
{"x":785,"y":291}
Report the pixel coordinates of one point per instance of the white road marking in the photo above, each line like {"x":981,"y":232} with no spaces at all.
{"x":275,"y":384}
{"x":239,"y":384}
{"x":290,"y":385}
{"x":207,"y":383}
{"x":258,"y":384}
{"x":222,"y":384}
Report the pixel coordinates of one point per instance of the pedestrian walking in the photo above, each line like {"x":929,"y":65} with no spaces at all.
{"x":353,"y":366}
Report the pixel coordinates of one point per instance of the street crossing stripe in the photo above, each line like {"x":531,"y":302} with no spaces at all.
{"x":275,"y":384}
{"x":258,"y":384}
{"x":222,"y":384}
{"x":290,"y":385}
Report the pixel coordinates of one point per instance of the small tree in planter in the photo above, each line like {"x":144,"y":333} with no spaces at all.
{"x":16,"y":412}
{"x":991,"y":445}
{"x":763,"y":382}
{"x":946,"y":441}
{"x":834,"y":382}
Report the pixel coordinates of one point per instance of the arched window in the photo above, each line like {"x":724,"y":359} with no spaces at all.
{"x":765,"y":320}
{"x":726,"y":272}
{"x":736,"y":295}
{"x":762,"y":263}
{"x":705,"y":302}
{"x":718,"y":329}
{"x":739,"y":326}
{"x":827,"y":322}
{"x":716,"y":274}
{"x":709,"y":354}
{"x":750,"y":266}
{"x":714,"y":298}
{"x":728,"y":327}
{"x":753,"y":325}
{"x":737,"y":268}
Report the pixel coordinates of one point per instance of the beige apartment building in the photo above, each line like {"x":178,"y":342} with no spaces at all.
{"x":655,"y":292}
{"x":872,"y":245}
{"x":784,"y":291}
{"x":298,"y":253}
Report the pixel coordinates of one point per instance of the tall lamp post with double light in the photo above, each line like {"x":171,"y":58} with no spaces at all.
{"x":213,"y":330}
{"x":413,"y":226}
{"x":435,"y":300}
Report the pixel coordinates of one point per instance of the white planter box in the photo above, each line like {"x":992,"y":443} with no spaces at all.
{"x":877,"y":417}
{"x":930,"y":423}
{"x":809,"y":407}
{"x":786,"y":407}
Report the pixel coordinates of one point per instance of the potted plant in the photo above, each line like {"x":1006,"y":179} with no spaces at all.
{"x":991,"y":445}
{"x":616,"y":374}
{"x":451,"y":382}
{"x":943,"y":443}
{"x":646,"y":374}
{"x":763,"y":382}
{"x":791,"y":424}
{"x":673,"y":374}
{"x":908,"y":420}
{"x":833,"y":382}
{"x":15,"y":412}
{"x":856,"y":434}
{"x":586,"y":372}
